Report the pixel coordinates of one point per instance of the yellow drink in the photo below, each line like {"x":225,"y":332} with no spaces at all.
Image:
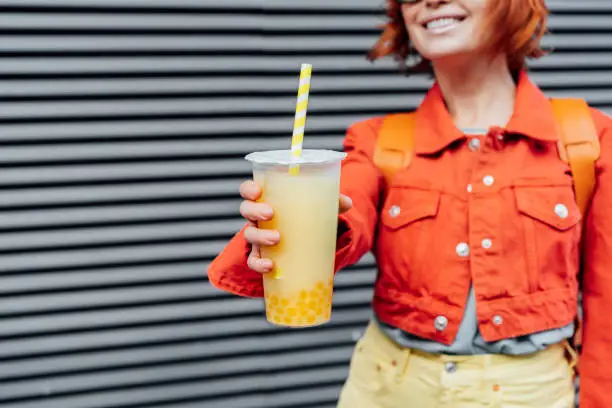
{"x":299,"y":291}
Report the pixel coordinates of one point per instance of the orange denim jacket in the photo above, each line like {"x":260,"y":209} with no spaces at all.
{"x":502,"y":217}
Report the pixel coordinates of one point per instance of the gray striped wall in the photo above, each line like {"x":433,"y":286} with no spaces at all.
{"x":122,"y":129}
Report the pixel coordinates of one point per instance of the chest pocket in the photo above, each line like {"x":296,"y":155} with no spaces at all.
{"x":407,"y":230}
{"x":554,"y":206}
{"x":406,"y":205}
{"x":550,"y":219}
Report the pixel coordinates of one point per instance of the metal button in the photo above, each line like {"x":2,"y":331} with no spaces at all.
{"x":474,"y":144}
{"x":394,"y":211}
{"x":462,"y":249}
{"x":486,"y":243}
{"x":441,"y":322}
{"x":497,"y":320}
{"x":488,"y":180}
{"x":561,"y":211}
{"x":450,"y":367}
{"x":500,"y":136}
{"x":469,"y":188}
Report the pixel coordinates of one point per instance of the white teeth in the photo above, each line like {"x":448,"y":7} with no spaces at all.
{"x":441,"y":22}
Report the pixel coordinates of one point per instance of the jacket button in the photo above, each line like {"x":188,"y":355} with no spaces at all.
{"x":497,"y":320}
{"x":488,"y":180}
{"x":561,"y":211}
{"x":486,"y":243}
{"x":474,"y":144}
{"x":462,"y":249}
{"x":440,"y":323}
{"x":450,"y":367}
{"x":394,"y":211}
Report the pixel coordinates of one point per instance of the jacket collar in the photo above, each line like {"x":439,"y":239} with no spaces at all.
{"x":533,"y":117}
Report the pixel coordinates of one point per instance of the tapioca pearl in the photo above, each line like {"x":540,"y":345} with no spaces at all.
{"x":313,"y":305}
{"x":284,"y":302}
{"x":320,"y":285}
{"x":291,"y":311}
{"x":287,"y":320}
{"x":303,"y":295}
{"x":311,"y":319}
{"x":274,"y":300}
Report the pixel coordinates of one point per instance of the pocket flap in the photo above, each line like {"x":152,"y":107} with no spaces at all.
{"x":552,"y":205}
{"x":406,"y":205}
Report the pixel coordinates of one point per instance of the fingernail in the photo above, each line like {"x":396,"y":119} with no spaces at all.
{"x":267,"y":212}
{"x":265,"y":264}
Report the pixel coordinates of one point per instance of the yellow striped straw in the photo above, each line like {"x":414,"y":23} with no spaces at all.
{"x":299,"y":123}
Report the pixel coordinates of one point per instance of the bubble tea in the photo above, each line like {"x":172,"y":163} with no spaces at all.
{"x":298,"y":292}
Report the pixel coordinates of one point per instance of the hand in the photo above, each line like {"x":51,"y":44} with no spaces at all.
{"x":253,"y":212}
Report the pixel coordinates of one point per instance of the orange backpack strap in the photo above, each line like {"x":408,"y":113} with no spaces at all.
{"x":395,"y":144}
{"x":579,"y":147}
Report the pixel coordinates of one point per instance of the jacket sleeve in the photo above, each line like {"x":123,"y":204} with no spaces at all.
{"x":360,"y":180}
{"x":595,"y":367}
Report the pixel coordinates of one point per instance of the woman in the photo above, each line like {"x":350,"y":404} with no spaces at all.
{"x":477,"y":241}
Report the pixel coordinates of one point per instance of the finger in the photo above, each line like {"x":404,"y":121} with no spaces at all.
{"x":256,"y":236}
{"x":249,"y":190}
{"x":345,"y":204}
{"x":256,"y":263}
{"x":253,"y":211}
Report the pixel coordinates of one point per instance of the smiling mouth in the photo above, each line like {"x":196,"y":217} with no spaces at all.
{"x":443,"y":24}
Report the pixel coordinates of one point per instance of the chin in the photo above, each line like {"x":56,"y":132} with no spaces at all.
{"x":447,"y":55}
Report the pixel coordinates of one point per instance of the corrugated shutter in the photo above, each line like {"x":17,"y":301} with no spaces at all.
{"x":123,"y":125}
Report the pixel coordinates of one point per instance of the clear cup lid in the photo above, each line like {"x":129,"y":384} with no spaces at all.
{"x":283,"y":157}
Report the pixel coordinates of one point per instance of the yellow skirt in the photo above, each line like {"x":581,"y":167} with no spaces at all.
{"x":384,"y":375}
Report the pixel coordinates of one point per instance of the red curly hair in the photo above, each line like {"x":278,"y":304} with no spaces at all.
{"x":522,"y":23}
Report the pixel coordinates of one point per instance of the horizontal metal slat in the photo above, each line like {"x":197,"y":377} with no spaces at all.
{"x":124,"y":192}
{"x":71,"y":312}
{"x":55,"y":342}
{"x":130,"y":214}
{"x":72,"y":259}
{"x":116,"y":43}
{"x":244,"y":44}
{"x":153,"y":88}
{"x":224,"y":65}
{"x":319,"y":396}
{"x":144,"y":4}
{"x":163,"y":128}
{"x":227,"y":106}
{"x":285,"y":341}
{"x":157,"y":393}
{"x":369,"y":6}
{"x":205,"y":371}
{"x":94,"y":298}
{"x":337,"y":23}
{"x":93,"y":174}
{"x":109,"y":277}
{"x":360,"y":275}
{"x":128,"y":22}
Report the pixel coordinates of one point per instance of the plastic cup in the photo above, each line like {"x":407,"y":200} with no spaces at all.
{"x":298,"y":292}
